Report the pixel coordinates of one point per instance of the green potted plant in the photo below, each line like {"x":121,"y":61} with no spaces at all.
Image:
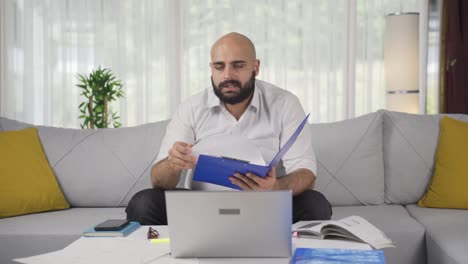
{"x":100,"y":88}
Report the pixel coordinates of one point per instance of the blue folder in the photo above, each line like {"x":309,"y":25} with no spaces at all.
{"x":217,"y":170}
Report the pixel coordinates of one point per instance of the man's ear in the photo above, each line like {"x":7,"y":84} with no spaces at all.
{"x":257,"y":67}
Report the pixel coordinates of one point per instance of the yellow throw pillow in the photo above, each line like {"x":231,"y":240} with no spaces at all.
{"x":27,"y":183}
{"x":449,"y":184}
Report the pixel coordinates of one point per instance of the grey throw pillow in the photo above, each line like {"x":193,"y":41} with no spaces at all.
{"x":350,"y":161}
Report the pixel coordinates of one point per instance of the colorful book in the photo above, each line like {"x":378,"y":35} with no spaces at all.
{"x":132,"y":226}
{"x":335,"y":256}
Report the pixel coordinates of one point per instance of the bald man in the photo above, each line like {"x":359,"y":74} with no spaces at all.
{"x":237,"y":104}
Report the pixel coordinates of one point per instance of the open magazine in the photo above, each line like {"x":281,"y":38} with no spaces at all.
{"x":352,"y":228}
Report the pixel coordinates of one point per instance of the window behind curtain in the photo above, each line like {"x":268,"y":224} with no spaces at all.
{"x":328,"y":52}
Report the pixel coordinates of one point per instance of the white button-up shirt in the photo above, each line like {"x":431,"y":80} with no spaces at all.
{"x":269,"y":121}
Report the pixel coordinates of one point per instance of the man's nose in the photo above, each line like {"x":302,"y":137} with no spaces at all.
{"x":228,"y":72}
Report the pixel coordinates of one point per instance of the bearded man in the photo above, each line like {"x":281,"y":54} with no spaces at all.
{"x":236,"y":104}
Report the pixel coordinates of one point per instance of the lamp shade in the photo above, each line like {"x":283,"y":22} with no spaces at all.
{"x":401,"y":62}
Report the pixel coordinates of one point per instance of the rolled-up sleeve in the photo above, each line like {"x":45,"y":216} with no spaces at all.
{"x":301,"y":155}
{"x":178,"y":129}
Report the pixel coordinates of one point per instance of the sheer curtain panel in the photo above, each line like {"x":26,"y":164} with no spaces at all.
{"x":327,"y":52}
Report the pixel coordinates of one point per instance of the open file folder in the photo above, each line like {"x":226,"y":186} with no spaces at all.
{"x":217,"y":170}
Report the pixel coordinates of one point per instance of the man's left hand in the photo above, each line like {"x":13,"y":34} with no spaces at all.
{"x":251,"y":181}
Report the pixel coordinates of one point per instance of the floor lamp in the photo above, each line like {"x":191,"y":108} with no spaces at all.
{"x":401,"y":62}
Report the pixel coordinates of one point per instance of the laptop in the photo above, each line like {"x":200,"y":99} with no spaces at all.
{"x":224,"y":224}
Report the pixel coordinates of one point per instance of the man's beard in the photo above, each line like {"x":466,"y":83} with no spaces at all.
{"x":232,"y":97}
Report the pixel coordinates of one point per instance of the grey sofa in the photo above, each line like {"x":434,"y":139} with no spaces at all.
{"x":376,"y":166}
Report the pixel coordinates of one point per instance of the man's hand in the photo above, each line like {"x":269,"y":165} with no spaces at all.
{"x":166,"y":173}
{"x":180,"y":156}
{"x":251,"y":181}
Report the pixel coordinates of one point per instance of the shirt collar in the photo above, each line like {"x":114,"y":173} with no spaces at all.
{"x":256,"y":97}
{"x":214,"y":101}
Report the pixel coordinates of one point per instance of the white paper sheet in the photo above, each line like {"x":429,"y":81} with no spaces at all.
{"x":245,"y":261}
{"x":102,"y":250}
{"x":232,"y":146}
{"x":135,"y":248}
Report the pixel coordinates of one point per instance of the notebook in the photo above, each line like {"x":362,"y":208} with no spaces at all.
{"x":91,"y":232}
{"x":229,"y":224}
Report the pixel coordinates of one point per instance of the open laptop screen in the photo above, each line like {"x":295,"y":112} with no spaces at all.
{"x":229,"y":224}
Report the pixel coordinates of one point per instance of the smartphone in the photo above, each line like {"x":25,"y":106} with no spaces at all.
{"x":112,"y":225}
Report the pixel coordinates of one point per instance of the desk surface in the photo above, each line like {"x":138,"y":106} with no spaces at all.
{"x":135,"y":248}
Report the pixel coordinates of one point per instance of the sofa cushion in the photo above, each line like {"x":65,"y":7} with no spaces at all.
{"x":405,"y":232}
{"x":409,"y":144}
{"x":349,"y":160}
{"x":40,"y":233}
{"x":102,"y":167}
{"x":446,"y":233}
{"x":448,"y":184}
{"x":28,"y":184}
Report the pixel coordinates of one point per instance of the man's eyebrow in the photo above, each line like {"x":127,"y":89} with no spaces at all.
{"x":232,"y":62}
{"x":238,"y":62}
{"x":218,"y":63}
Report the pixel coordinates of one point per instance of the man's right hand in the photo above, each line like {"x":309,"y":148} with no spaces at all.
{"x":180,"y":156}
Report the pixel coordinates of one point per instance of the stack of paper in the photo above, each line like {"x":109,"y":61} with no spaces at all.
{"x":133,"y":249}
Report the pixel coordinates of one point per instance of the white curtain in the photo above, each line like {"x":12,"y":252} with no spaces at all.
{"x":327,"y":52}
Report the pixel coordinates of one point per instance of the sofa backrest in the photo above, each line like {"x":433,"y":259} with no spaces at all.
{"x":368,"y":160}
{"x":409,"y":146}
{"x":102,"y":167}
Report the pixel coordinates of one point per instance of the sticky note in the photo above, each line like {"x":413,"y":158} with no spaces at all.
{"x":160,"y":240}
